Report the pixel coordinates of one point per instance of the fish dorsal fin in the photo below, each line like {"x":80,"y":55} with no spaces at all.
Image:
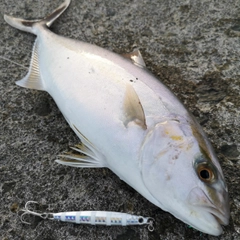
{"x":136,"y":57}
{"x":85,"y":154}
{"x":33,"y":78}
{"x":133,"y":110}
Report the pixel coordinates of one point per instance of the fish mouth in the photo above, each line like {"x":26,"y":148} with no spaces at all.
{"x":216,"y":231}
{"x":213,"y":219}
{"x":207,"y":220}
{"x":221,"y":217}
{"x":221,"y":212}
{"x":210,"y":214}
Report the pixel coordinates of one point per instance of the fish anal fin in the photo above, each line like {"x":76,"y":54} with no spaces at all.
{"x":133,"y":110}
{"x":136,"y":57}
{"x":33,"y":78}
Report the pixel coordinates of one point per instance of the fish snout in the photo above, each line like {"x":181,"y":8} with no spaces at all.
{"x":214,"y":202}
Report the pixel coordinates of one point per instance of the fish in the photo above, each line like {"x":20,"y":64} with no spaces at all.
{"x":127,"y":120}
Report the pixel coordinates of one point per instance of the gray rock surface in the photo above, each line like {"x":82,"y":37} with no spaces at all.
{"x":192,"y":46}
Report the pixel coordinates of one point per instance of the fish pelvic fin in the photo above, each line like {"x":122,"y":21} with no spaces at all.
{"x":84,"y":155}
{"x":30,"y":25}
{"x":81,"y":156}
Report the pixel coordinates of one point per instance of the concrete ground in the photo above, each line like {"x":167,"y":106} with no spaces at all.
{"x":192,"y":46}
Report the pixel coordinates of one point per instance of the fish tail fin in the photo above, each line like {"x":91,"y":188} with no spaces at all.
{"x":33,"y":78}
{"x":29,"y":25}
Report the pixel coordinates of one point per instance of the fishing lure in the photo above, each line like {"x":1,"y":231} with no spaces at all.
{"x":91,"y":217}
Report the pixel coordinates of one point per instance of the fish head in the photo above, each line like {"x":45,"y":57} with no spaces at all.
{"x":182,"y":173}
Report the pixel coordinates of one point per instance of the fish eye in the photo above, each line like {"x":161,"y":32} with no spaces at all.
{"x":205,"y":174}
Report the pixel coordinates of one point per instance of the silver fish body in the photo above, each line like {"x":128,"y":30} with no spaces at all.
{"x":128,"y":121}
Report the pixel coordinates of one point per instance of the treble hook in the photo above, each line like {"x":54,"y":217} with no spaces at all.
{"x":26,"y":211}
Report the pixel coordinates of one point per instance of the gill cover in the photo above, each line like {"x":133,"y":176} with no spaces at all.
{"x":161,"y":152}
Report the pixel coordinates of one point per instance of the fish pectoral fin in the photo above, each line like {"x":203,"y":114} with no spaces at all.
{"x":133,"y":110}
{"x":84,"y":155}
{"x":136,"y":57}
{"x":33,"y":78}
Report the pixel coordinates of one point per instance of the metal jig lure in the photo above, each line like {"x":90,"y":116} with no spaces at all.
{"x":91,"y":217}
